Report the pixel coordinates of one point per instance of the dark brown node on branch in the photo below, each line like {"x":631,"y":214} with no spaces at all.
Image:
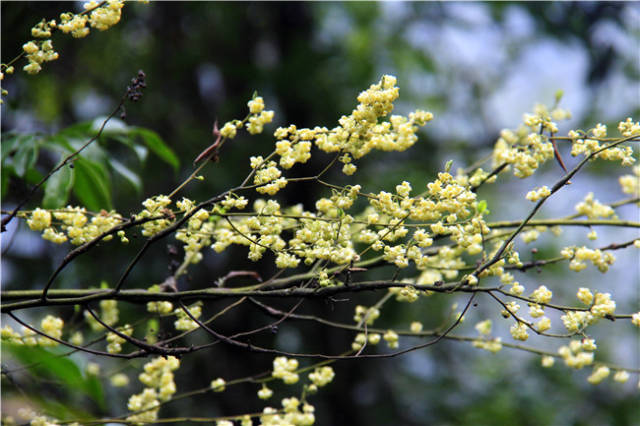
{"x":134,"y":91}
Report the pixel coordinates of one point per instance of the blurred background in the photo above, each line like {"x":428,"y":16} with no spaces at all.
{"x":477,"y":66}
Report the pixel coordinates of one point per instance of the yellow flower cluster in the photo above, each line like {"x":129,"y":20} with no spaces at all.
{"x":160,"y":386}
{"x":268,"y":175}
{"x":585,"y":295}
{"x":547,"y":361}
{"x":8,"y":334}
{"x":184,"y":322}
{"x":448,"y":200}
{"x":624,"y":154}
{"x":258,"y":116}
{"x":218,"y":385}
{"x":598,"y":375}
{"x":105,"y":17}
{"x":93,"y":369}
{"x":621,"y":376}
{"x":292,"y":415}
{"x":524,"y":149}
{"x":367,"y":315}
{"x":97,"y":15}
{"x":576,"y":355}
{"x":196,"y":235}
{"x":147,"y":400}
{"x":361,"y":339}
{"x":44,"y":421}
{"x":109,"y":315}
{"x":155,"y":207}
{"x":234,"y":202}
{"x":511,"y":308}
{"x":80,"y":230}
{"x":74,"y":24}
{"x":603,"y":305}
{"x":629,"y":128}
{"x":265,"y":392}
{"x":593,"y":209}
{"x":162,"y":307}
{"x":602,"y":260}
{"x":407,"y":293}
{"x":329,"y":233}
{"x":541,"y":119}
{"x":538,"y":194}
{"x":494,"y":345}
{"x":484,"y":327}
{"x":447,"y":261}
{"x":101,"y":18}
{"x":635,"y":319}
{"x":322,"y":376}
{"x":43,"y":28}
{"x":543,"y":324}
{"x":631,"y":183}
{"x":37,"y":53}
{"x":535,"y":310}
{"x":294,"y":151}
{"x":284,"y":369}
{"x":259,"y":232}
{"x":230,"y":129}
{"x":530,"y":236}
{"x":519,"y":331}
{"x":358,"y":133}
{"x":119,"y":380}
{"x":40,"y":219}
{"x":575,"y":321}
{"x":114,"y":342}
{"x":50,"y":325}
{"x":391,"y":337}
{"x":74,"y":223}
{"x":542,"y":294}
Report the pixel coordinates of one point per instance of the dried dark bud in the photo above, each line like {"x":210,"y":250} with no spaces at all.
{"x":134,"y":92}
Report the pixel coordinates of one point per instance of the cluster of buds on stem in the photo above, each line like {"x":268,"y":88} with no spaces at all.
{"x":134,"y":92}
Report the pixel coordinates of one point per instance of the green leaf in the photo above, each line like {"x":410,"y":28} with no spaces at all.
{"x":93,"y":387}
{"x":92,"y":185}
{"x":482,"y":206}
{"x":45,"y":363}
{"x":114,"y":125}
{"x":152,"y":330}
{"x":57,"y":188}
{"x":33,"y":176}
{"x":141,"y":151}
{"x":10,"y":141}
{"x":4,"y":181}
{"x":93,"y":152}
{"x":79,"y":129}
{"x":447,"y":167}
{"x":157,"y":146}
{"x":126,"y":173}
{"x":57,"y":141}
{"x":59,"y":410}
{"x":26,"y":155}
